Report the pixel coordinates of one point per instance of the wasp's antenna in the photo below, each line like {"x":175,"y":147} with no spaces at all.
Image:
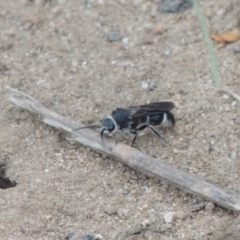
{"x":91,"y":126}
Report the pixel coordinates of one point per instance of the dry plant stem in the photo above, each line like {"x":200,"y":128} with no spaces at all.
{"x":210,"y":48}
{"x":130,"y":156}
{"x":231,"y":93}
{"x":226,"y":90}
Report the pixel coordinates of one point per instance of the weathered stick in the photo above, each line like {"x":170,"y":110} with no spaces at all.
{"x":130,"y":156}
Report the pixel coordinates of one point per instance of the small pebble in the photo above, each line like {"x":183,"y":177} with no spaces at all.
{"x":98,"y":237}
{"x":193,"y":170}
{"x":3,"y":163}
{"x":114,"y":37}
{"x":92,"y":195}
{"x":69,"y":236}
{"x":152,"y":86}
{"x":167,"y":52}
{"x":234,"y":155}
{"x":168,"y":217}
{"x":145,"y":223}
{"x":180,"y":214}
{"x":175,"y":150}
{"x":147,"y":40}
{"x":123,"y":213}
{"x":101,"y":2}
{"x":145,"y":206}
{"x":88,"y":237}
{"x":210,"y":207}
{"x":174,"y":6}
{"x":225,"y":96}
{"x":3,"y":67}
{"x":158,"y":29}
{"x":125,"y":40}
{"x":152,"y":219}
{"x":145,"y":85}
{"x":111,"y":211}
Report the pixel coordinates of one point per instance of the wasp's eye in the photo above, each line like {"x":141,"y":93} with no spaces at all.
{"x":108,"y":124}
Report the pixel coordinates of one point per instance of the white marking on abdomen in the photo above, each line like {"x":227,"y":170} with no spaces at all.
{"x":165,"y":121}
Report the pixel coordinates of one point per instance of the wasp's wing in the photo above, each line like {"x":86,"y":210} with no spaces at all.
{"x":150,"y":109}
{"x":160,"y":106}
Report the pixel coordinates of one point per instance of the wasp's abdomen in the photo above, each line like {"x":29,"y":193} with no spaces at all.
{"x":155,"y":120}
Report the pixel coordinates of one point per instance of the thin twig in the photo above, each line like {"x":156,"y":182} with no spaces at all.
{"x":226,"y":90}
{"x":231,"y":93}
{"x":130,"y":156}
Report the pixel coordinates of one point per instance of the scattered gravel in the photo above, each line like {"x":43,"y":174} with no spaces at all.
{"x":85,"y":60}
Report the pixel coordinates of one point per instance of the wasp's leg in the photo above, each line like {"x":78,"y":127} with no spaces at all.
{"x":135,"y":137}
{"x":102,"y":136}
{"x":155,"y":132}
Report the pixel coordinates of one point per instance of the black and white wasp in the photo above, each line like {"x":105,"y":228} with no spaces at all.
{"x":135,"y":119}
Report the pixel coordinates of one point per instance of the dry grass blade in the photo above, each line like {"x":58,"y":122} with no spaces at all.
{"x":211,"y":52}
{"x":130,"y":156}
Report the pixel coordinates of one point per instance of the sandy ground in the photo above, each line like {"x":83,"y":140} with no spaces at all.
{"x":59,"y":52}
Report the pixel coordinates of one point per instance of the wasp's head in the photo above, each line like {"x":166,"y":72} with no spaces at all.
{"x":108,"y":126}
